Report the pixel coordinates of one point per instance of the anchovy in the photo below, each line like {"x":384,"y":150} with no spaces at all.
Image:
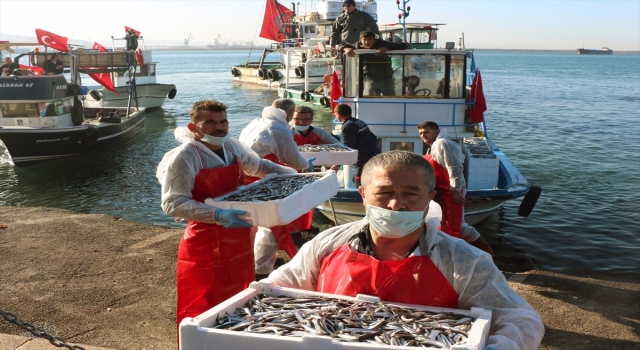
{"x":327,"y":148}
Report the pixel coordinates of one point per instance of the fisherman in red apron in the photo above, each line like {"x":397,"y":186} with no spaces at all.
{"x":447,"y":159}
{"x":397,"y":253}
{"x":271,"y":138}
{"x":215,"y":257}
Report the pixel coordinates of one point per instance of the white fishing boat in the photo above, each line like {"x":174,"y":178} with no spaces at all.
{"x":42,"y":117}
{"x":429,"y":83}
{"x":149,"y":93}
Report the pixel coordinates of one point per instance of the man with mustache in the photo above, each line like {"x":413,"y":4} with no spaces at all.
{"x":215,"y":258}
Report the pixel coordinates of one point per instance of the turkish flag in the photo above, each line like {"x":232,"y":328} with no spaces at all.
{"x":103,"y":78}
{"x":477,"y":110}
{"x":336,"y":91}
{"x":54,"y":41}
{"x":127,"y":29}
{"x":36,"y":70}
{"x":273,"y":23}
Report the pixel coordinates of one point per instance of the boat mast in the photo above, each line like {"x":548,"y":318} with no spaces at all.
{"x":402,"y":17}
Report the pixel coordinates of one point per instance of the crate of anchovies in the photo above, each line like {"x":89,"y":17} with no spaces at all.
{"x":267,"y":317}
{"x":279,"y":199}
{"x":329,"y":154}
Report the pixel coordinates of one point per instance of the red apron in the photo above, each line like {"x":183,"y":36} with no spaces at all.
{"x":347,"y":272}
{"x":312,"y":139}
{"x":283,"y":232}
{"x":452,"y":212}
{"x":214,"y":262}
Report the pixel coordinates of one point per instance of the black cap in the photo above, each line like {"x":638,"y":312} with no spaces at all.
{"x":349,"y":2}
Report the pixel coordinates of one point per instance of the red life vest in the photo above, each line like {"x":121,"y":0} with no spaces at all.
{"x":347,"y":272}
{"x":214,"y":262}
{"x":452,"y":212}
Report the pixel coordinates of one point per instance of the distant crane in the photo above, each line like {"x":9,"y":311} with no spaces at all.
{"x":186,"y":41}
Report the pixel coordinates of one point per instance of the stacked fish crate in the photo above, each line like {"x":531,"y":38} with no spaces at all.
{"x":267,"y":317}
{"x":278,"y":200}
{"x":481,"y":164}
{"x":330,"y":154}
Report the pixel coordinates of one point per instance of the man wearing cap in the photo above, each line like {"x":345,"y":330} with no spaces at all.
{"x":347,"y":27}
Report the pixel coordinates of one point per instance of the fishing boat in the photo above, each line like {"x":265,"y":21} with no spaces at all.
{"x":149,"y":93}
{"x":42,"y":117}
{"x":601,"y":51}
{"x":300,"y":53}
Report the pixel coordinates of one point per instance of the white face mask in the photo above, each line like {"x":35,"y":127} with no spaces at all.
{"x":301,"y":127}
{"x":394,"y":224}
{"x":213,"y":140}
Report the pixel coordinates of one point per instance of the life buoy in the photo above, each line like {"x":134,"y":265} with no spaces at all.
{"x":172,"y":93}
{"x":325,"y":102}
{"x":32,"y":57}
{"x":262,"y":74}
{"x":273,"y":75}
{"x":91,"y":136}
{"x":139,"y":57}
{"x":299,"y":71}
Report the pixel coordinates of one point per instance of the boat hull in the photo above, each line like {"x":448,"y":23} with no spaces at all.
{"x":594,"y":52}
{"x":149,"y":96}
{"x":27,"y":145}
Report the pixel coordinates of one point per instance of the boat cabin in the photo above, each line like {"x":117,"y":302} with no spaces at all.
{"x":36,"y":102}
{"x":419,"y":35}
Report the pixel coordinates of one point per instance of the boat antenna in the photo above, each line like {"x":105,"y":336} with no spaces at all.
{"x":402,"y":17}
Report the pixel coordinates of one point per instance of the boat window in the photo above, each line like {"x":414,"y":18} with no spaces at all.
{"x":401,"y":146}
{"x":456,"y":85}
{"x":350,"y":80}
{"x":19,"y":110}
{"x":152,"y":70}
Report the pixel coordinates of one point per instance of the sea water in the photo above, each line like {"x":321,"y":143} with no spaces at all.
{"x":569,"y":122}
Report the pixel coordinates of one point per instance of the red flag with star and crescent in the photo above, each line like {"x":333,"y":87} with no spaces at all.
{"x":127,"y":29}
{"x":103,"y":78}
{"x":54,"y":41}
{"x":480,"y":106}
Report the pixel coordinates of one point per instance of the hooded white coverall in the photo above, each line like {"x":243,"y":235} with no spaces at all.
{"x":178,"y":169}
{"x":471,"y":272}
{"x":271,"y":134}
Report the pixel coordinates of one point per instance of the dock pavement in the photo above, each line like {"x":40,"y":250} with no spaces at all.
{"x":103,"y":283}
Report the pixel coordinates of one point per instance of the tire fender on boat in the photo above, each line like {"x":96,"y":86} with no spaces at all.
{"x":95,"y":94}
{"x":325,"y":102}
{"x":172,"y":93}
{"x":529,"y":201}
{"x":285,"y":94}
{"x":273,"y":75}
{"x":305,"y":96}
{"x":299,"y":71}
{"x":91,"y":136}
{"x":139,"y":56}
{"x":262,"y":73}
{"x":235,"y":72}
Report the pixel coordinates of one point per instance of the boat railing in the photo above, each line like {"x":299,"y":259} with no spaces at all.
{"x":87,"y":60}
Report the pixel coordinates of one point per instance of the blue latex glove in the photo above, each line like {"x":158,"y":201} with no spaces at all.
{"x":311,"y":167}
{"x":228,"y":218}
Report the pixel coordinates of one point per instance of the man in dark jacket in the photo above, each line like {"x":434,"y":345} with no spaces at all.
{"x":379,"y":73}
{"x":132,"y":40}
{"x":8,"y":66}
{"x":349,"y":24}
{"x":356,"y":135}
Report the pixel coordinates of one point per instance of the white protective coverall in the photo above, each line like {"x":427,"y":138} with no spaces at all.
{"x":178,"y":169}
{"x":271,"y":135}
{"x":471,"y":272}
{"x":448,"y":154}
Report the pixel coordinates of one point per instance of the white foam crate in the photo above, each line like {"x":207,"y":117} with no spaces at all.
{"x":332,"y":158}
{"x":481,"y":172}
{"x":282,"y":211}
{"x":196,"y":334}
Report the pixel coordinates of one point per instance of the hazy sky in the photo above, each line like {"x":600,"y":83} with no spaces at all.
{"x":506,"y":24}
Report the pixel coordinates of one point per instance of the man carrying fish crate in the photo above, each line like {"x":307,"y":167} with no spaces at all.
{"x":215,"y":257}
{"x":271,"y":138}
{"x":397,"y":253}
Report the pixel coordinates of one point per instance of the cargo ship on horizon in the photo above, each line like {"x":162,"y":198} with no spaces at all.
{"x":602,"y":51}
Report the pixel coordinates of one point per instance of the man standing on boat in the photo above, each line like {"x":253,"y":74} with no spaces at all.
{"x":271,"y":138}
{"x":378,"y":69}
{"x":215,"y":258}
{"x":356,"y":135}
{"x":347,"y":27}
{"x":132,"y":40}
{"x":447,"y":159}
{"x":397,"y":254}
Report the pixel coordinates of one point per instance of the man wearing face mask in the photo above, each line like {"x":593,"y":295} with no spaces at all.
{"x":271,"y":138}
{"x":398,"y":255}
{"x":306,"y":134}
{"x":215,"y":258}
